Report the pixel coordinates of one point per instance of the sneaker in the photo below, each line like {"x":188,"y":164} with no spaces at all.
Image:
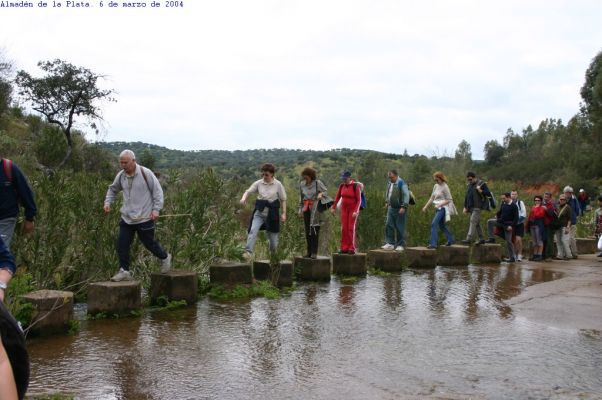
{"x":449,"y":244}
{"x":430,"y":246}
{"x":247,"y":255}
{"x":480,"y":242}
{"x":351,"y":252}
{"x":313,"y":256}
{"x":465,"y":242}
{"x":519,"y":257}
{"x":509,"y":260}
{"x":599,"y":255}
{"x":490,"y":240}
{"x":122,"y":275}
{"x":399,"y":248}
{"x":388,"y":247}
{"x":166,"y":264}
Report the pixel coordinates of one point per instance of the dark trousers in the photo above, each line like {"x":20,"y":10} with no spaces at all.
{"x":146,"y":234}
{"x":548,"y":242}
{"x":312,"y":233}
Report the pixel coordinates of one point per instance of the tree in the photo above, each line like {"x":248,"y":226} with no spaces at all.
{"x":148,"y":159}
{"x":463,"y":152}
{"x":65,"y":93}
{"x":6,"y":69}
{"x":494,"y":152}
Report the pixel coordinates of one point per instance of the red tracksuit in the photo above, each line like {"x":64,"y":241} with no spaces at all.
{"x":351,"y":204}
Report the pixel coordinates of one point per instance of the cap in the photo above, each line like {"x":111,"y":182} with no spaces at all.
{"x":581,"y":190}
{"x":345,"y":175}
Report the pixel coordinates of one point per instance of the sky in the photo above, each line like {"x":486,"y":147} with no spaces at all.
{"x":368,"y":74}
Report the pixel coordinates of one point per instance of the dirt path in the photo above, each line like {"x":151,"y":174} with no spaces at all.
{"x":572,"y":302}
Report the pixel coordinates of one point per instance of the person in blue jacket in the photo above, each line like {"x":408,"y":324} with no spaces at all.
{"x":14,"y":193}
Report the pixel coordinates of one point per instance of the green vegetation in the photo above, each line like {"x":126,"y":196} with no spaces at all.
{"x":259,"y":289}
{"x":74,"y":327}
{"x":74,"y":242}
{"x":378,"y":272}
{"x":164,"y":304}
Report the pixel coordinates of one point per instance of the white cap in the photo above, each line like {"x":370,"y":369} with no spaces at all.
{"x":581,"y":190}
{"x":568,"y":189}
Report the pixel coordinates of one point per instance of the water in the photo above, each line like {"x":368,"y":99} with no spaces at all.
{"x":443,"y":334}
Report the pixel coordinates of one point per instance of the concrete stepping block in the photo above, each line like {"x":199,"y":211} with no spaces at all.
{"x":52,"y":311}
{"x":386,"y":260}
{"x":453,"y":255}
{"x":488,"y":253}
{"x":420,"y":257}
{"x":114,"y":297}
{"x":175,"y":285}
{"x":231,"y":273}
{"x":280,"y":276}
{"x":587,"y":246}
{"x":349,"y":264}
{"x":310,"y":269}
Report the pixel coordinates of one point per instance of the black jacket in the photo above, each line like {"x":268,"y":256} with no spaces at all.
{"x":272,"y":224}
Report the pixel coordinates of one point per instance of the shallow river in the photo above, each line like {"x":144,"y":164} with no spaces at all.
{"x":443,"y":334}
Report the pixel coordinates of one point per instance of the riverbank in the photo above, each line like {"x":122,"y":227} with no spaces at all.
{"x":572,"y":302}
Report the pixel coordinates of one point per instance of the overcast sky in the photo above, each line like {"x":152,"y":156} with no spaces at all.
{"x":369,"y":74}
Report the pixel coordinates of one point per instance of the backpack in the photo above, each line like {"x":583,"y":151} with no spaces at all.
{"x":412,"y":201}
{"x":8,"y":169}
{"x":489,"y":197}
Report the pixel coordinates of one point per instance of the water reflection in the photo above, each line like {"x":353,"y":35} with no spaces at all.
{"x":443,"y":333}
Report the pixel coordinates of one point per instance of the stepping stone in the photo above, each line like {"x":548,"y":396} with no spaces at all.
{"x":349,"y":264}
{"x":420,"y":257}
{"x":175,"y":285}
{"x":231,"y":273}
{"x":114,"y":298}
{"x":52,"y":311}
{"x":488,"y":253}
{"x":386,"y":260}
{"x":587,"y":246}
{"x":453,"y":255}
{"x":309,"y":269}
{"x":280,"y":276}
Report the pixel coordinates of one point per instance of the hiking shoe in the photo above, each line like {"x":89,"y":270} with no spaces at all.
{"x":166,"y":264}
{"x":313,"y":256}
{"x":490,"y":240}
{"x":122,"y":275}
{"x":388,"y":247}
{"x":449,"y":244}
{"x":480,"y":242}
{"x":399,"y":248}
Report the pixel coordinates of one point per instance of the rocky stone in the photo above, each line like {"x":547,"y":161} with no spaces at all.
{"x":453,"y":255}
{"x":174,"y":285}
{"x":349,"y":264}
{"x":587,"y":246}
{"x":312,"y":269}
{"x":230,"y":274}
{"x":385,"y":260}
{"x":114,"y":298}
{"x":420,"y":257}
{"x":488,"y":253}
{"x":281,"y":275}
{"x":52,"y":311}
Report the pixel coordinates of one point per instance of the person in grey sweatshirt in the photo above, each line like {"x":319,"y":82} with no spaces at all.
{"x":142,"y":202}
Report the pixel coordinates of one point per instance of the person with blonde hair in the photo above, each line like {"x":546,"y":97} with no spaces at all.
{"x":442,"y":199}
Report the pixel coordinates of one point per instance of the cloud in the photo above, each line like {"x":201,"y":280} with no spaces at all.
{"x":385,"y":75}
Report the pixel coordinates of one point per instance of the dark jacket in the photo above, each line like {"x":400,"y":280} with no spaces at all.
{"x":14,"y":193}
{"x":272,"y":223}
{"x":400,"y":195}
{"x":14,"y":344}
{"x":507,"y":215}
{"x":575,"y":208}
{"x":474,"y":199}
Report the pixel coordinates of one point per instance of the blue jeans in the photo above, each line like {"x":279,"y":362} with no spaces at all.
{"x":396,"y":227}
{"x":7,"y":229}
{"x":258,"y":220}
{"x":146,"y":234}
{"x":439,"y":223}
{"x":6,"y":258}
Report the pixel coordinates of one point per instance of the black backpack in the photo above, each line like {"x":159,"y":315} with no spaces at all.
{"x":14,"y":344}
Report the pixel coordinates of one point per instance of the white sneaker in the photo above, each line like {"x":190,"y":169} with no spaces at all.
{"x":122,"y":275}
{"x":519,"y":257}
{"x":247,"y":256}
{"x":388,"y":247}
{"x":166,"y":264}
{"x":399,"y":248}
